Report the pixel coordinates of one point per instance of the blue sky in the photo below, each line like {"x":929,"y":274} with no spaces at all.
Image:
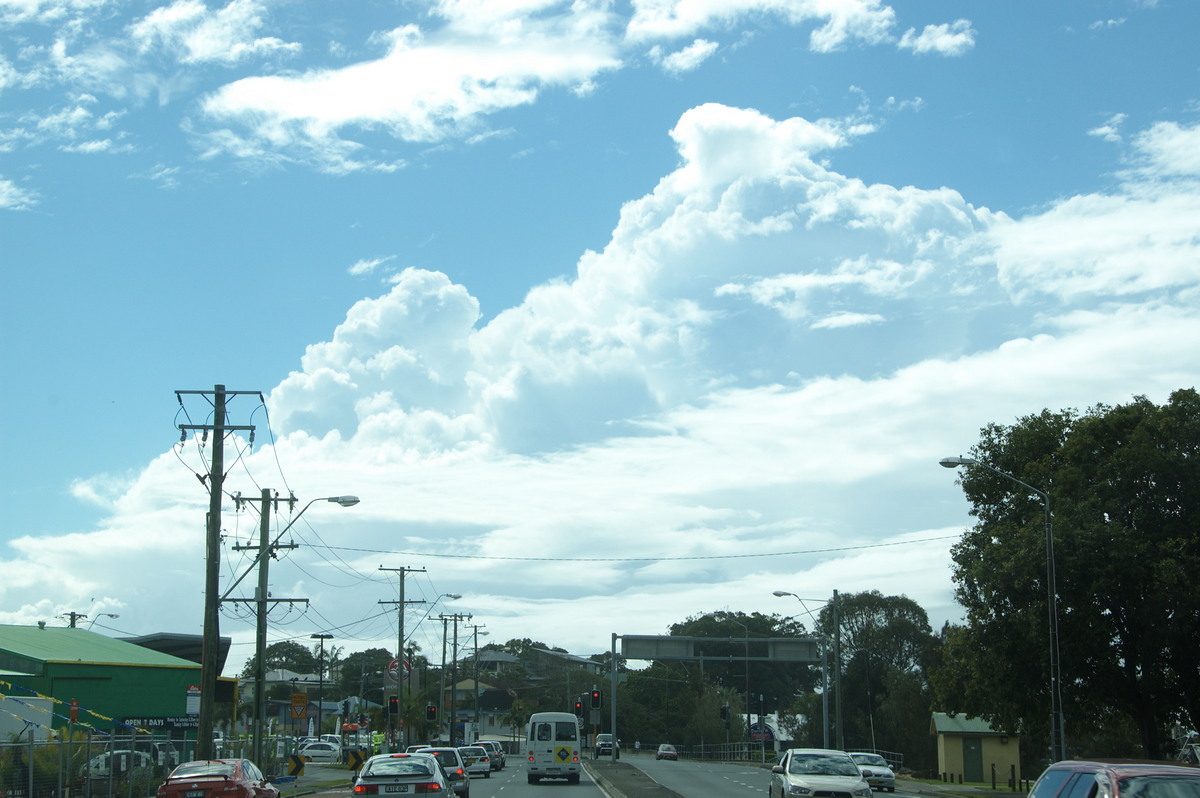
{"x":670,"y":303}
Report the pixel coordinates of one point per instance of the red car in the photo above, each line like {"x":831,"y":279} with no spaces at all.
{"x":217,"y":778}
{"x":1115,"y":778}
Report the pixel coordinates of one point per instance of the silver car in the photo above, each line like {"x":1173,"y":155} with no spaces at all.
{"x":875,"y":770}
{"x":388,"y":774}
{"x":817,"y":771}
{"x":454,"y":766}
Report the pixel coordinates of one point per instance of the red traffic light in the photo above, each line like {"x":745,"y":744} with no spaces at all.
{"x":595,"y":699}
{"x":430,"y":712}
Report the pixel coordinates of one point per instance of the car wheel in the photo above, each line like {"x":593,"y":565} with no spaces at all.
{"x":487,"y":775}
{"x":573,"y":778}
{"x":534,"y":779}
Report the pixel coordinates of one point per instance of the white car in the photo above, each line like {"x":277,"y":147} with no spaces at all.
{"x":875,"y":770}
{"x":476,"y":760}
{"x":321,"y":752}
{"x":817,"y":771}
{"x":103,"y":765}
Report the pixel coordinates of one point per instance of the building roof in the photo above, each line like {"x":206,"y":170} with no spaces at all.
{"x":72,"y":644}
{"x":189,"y":647}
{"x":944,"y":723}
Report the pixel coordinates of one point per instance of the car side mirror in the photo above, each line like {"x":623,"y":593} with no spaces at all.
{"x":777,"y":769}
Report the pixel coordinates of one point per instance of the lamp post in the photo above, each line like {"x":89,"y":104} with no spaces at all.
{"x":485,"y":633}
{"x":403,"y":638}
{"x":824,"y":664}
{"x":102,"y":615}
{"x":1058,"y":742}
{"x":746,"y":629}
{"x":261,"y":560}
{"x":320,"y":679}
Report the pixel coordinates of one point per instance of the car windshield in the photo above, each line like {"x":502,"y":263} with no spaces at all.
{"x":1160,"y":786}
{"x":398,"y":766}
{"x":822,"y":765}
{"x":870,"y":759}
{"x":666,"y":748}
{"x":210,"y":768}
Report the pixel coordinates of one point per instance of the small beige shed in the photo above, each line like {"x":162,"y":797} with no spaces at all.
{"x":968,"y":749}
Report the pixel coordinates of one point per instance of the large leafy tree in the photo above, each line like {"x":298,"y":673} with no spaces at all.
{"x":286,"y":655}
{"x":1124,"y":486}
{"x":885,"y":645}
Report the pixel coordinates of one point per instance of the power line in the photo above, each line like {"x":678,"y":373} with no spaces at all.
{"x":648,"y":559}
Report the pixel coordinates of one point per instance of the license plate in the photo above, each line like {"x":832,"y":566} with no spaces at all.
{"x":395,"y":788}
{"x":193,"y":794}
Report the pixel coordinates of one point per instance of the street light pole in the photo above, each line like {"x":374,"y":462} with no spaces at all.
{"x":476,"y":627}
{"x":824,"y":664}
{"x":746,"y":629}
{"x":1058,"y":742}
{"x":261,"y":602}
{"x":320,"y":679}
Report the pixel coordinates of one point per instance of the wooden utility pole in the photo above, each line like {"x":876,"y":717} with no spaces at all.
{"x":261,"y":603}
{"x":400,"y":671}
{"x":209,"y":660}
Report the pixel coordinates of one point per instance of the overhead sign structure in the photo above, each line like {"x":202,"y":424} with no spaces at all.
{"x":761,"y":649}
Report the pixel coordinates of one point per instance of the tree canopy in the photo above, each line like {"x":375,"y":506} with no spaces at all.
{"x":1124,"y":487}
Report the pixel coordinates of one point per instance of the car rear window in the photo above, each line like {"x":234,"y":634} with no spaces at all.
{"x":211,"y":768}
{"x":406,"y":766}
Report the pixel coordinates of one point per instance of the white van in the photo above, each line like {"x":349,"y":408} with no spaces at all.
{"x":553,"y":741}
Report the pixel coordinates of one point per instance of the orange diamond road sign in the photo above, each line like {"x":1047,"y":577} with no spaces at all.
{"x":299,"y":706}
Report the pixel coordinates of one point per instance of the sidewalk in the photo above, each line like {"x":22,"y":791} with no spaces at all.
{"x":621,"y":780}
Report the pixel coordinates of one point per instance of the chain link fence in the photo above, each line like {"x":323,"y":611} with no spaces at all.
{"x":111,"y":766}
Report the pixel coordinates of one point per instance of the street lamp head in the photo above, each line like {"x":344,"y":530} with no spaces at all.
{"x":955,"y":462}
{"x":345,"y":501}
{"x":452,"y":595}
{"x":781,"y":593}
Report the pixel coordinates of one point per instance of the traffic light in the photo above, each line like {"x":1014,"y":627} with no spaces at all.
{"x":724,"y":712}
{"x":595,"y":699}
{"x":393,"y":705}
{"x":430,"y":712}
{"x":579,"y":708}
{"x":346,"y":711}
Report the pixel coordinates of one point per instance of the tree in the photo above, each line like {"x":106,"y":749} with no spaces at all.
{"x":1124,"y":486}
{"x":286,"y":655}
{"x":364,"y":672}
{"x":886,"y":643}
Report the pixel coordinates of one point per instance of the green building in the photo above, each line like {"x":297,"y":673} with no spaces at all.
{"x":98,"y":681}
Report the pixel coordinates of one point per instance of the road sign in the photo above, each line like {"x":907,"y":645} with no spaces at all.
{"x":299,"y":706}
{"x":295,"y":765}
{"x":394,"y":672}
{"x":355,"y":759}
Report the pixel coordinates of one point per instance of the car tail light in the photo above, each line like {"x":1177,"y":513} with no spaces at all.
{"x":366,"y":789}
{"x":429,"y":786}
{"x":531,"y":756}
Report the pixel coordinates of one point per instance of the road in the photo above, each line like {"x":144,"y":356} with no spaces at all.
{"x":687,"y":778}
